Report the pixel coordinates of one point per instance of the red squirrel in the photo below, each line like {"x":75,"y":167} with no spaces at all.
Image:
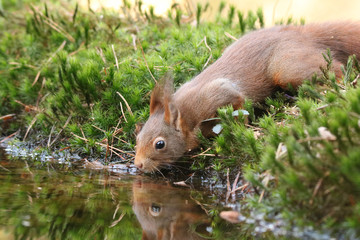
{"x":253,"y":67}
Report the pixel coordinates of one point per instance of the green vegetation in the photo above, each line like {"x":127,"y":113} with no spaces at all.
{"x":81,"y":79}
{"x":88,"y":75}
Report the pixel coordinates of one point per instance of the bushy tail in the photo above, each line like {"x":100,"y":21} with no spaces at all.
{"x":343,"y":38}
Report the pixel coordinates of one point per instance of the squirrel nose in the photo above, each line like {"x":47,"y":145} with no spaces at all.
{"x":139,"y":165}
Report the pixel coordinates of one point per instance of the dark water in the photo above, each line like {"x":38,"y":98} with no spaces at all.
{"x":59,"y":201}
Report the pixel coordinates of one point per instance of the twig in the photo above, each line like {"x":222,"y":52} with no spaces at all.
{"x":2,"y":167}
{"x":114,"y":135}
{"x":10,"y":136}
{"x":322,"y":107}
{"x":317,"y":187}
{"x":240,"y":188}
{"x":28,"y":107}
{"x":116,"y":60}
{"x":7,"y":117}
{"x":51,"y":131}
{"x":30,"y":126}
{"x":201,"y":205}
{"x":39,"y":93}
{"x":20,"y":65}
{"x":207,"y":62}
{"x":228,"y":181}
{"x":147,"y":66}
{"x":77,"y":50}
{"x":122,"y":111}
{"x":51,"y":57}
{"x":134,"y":41}
{"x":227,"y":185}
{"x":127,"y":105}
{"x":57,"y":136}
{"x":116,"y":210}
{"x":230,"y":36}
{"x":261,"y":196}
{"x":28,"y":168}
{"x":36,"y":78}
{"x":236,"y":181}
{"x":101,"y":53}
{"x":201,"y":154}
{"x":82,"y":132}
{"x":104,"y":145}
{"x":117,"y":221}
{"x":54,"y":25}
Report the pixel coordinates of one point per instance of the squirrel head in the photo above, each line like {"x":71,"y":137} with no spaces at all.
{"x":165,"y":136}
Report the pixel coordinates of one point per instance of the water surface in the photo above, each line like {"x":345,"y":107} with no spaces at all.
{"x":48,"y":200}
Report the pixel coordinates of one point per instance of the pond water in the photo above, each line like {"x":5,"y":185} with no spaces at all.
{"x":48,"y":200}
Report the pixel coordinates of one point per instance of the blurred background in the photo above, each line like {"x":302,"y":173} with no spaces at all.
{"x":310,"y":10}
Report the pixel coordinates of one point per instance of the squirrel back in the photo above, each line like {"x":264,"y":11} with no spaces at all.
{"x":253,"y":67}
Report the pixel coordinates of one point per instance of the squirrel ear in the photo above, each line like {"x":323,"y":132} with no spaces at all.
{"x":156,"y":99}
{"x":172,"y":114}
{"x":174,"y":118}
{"x":161,"y":95}
{"x":138,"y":128}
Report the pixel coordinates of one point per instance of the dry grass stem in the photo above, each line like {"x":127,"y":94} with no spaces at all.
{"x":57,"y":136}
{"x":202,"y":154}
{"x":39,"y":93}
{"x":54,"y":25}
{"x":117,"y":221}
{"x":104,"y":145}
{"x":49,"y":60}
{"x":4,"y":168}
{"x":230,"y":36}
{"x":51,"y":131}
{"x":7,"y":117}
{"x":36,"y":78}
{"x":207,"y":62}
{"x":127,"y":105}
{"x":134,"y":41}
{"x":101,"y":53}
{"x":116,"y":210}
{"x":146,"y":63}
{"x":30,"y":126}
{"x":227,"y":185}
{"x":240,"y":188}
{"x":77,"y":50}
{"x":10,"y":136}
{"x":116,"y":60}
{"x":122,"y":111}
{"x":236,"y":181}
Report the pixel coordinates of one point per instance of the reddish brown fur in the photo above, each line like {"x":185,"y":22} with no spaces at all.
{"x":252,"y":67}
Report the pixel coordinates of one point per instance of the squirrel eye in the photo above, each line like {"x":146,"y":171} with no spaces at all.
{"x":160,"y":144}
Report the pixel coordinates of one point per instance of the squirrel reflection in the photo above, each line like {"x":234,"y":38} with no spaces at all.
{"x":166,"y":212}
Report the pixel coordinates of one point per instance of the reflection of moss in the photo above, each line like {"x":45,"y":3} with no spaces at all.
{"x":45,"y":202}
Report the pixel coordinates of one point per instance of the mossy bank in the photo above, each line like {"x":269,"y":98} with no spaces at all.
{"x":78,"y":79}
